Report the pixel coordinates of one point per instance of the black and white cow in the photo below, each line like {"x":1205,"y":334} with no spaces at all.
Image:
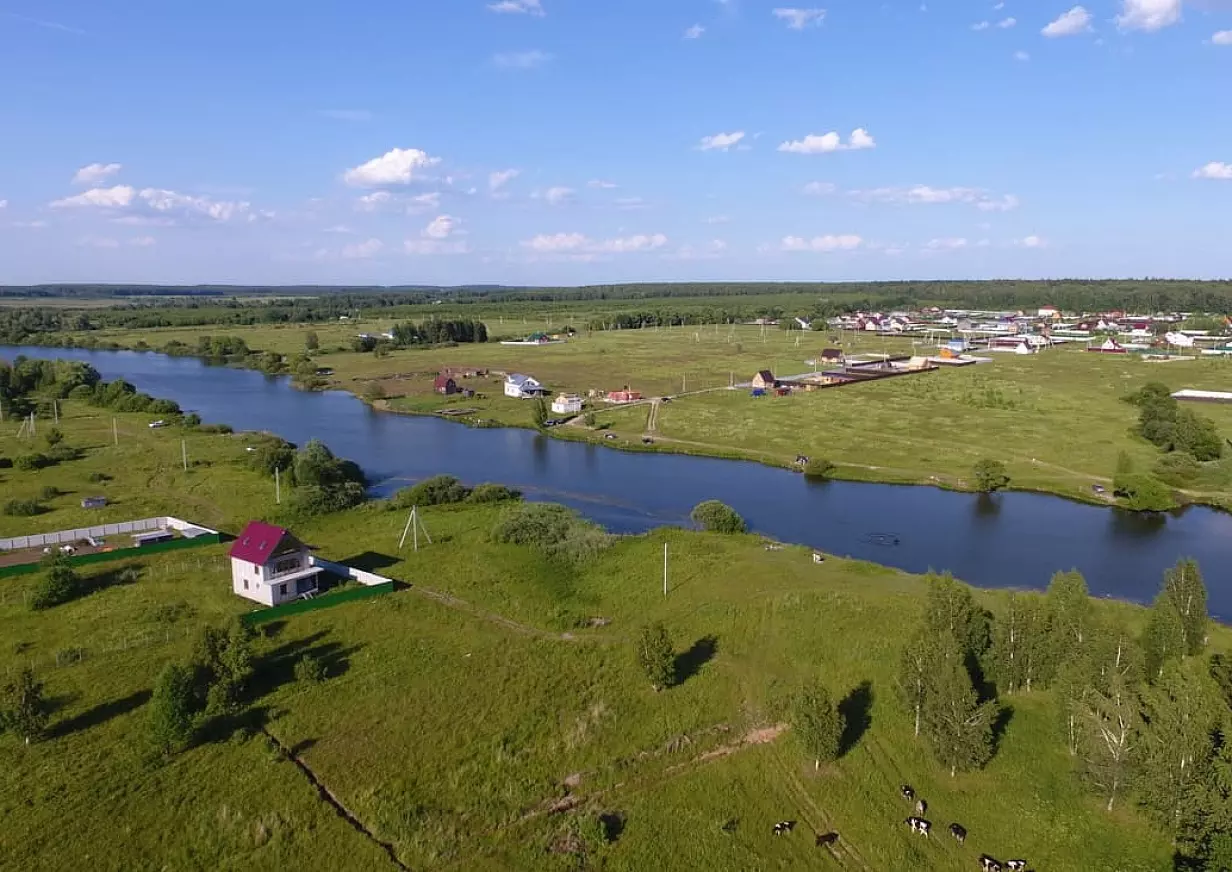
{"x":921,"y":807}
{"x":988,"y":864}
{"x":827,"y":839}
{"x":784,"y":827}
{"x":959,"y":832}
{"x":908,"y":792}
{"x":919,"y":825}
{"x":1016,"y":865}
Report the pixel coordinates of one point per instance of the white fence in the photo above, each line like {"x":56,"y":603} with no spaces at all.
{"x":186,"y":529}
{"x":368,"y":579}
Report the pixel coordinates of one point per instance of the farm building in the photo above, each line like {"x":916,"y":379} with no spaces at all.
{"x":523,"y":387}
{"x":271,"y":566}
{"x":567,"y":404}
{"x":445,"y":385}
{"x":1203,"y":396}
{"x":832,"y":355}
{"x":1110,"y":346}
{"x":624,"y":396}
{"x":764,"y":380}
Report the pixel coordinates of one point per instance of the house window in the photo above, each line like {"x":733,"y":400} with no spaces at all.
{"x":245,"y":584}
{"x":287,"y":564}
{"x":282,"y":590}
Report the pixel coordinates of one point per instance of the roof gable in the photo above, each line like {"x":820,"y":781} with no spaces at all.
{"x":260,"y":541}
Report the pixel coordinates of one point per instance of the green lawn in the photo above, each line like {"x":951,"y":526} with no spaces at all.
{"x":449,"y":726}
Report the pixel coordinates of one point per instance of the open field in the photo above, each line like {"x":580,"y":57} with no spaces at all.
{"x":458,"y":710}
{"x":1055,"y":419}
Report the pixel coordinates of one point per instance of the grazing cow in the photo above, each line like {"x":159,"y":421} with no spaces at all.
{"x":919,"y":825}
{"x":959,"y":832}
{"x":1016,"y":865}
{"x":783,"y":827}
{"x":988,"y":864}
{"x":908,"y":792}
{"x":921,"y":807}
{"x":827,"y":839}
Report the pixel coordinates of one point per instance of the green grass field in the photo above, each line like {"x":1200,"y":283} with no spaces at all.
{"x":1055,"y":419}
{"x":459,"y":709}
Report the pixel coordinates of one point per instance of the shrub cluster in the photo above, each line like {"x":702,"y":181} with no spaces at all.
{"x":555,"y":530}
{"x":441,"y":490}
{"x":716,"y":517}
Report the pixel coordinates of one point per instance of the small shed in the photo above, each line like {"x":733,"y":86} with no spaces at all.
{"x":764,"y":380}
{"x":445,"y":385}
{"x":93,"y":502}
{"x":832,"y":355}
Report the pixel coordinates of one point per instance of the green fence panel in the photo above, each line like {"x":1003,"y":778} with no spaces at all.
{"x":118,"y":554}
{"x":299,"y":607}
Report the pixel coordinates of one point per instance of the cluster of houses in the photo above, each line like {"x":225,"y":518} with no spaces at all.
{"x":842,"y":371}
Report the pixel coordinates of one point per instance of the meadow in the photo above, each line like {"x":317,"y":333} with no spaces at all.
{"x":480,"y":718}
{"x":1055,"y":419}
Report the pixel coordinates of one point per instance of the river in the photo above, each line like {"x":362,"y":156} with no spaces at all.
{"x":1008,"y":540}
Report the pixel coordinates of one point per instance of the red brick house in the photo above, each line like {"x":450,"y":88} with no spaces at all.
{"x":445,"y":385}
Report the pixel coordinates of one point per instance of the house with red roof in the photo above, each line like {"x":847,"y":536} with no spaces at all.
{"x":271,"y":566}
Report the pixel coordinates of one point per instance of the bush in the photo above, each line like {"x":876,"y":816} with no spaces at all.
{"x":326,"y":499}
{"x":555,"y":530}
{"x":656,"y":655}
{"x":716,"y":517}
{"x":1143,"y":493}
{"x":1196,"y":435}
{"x":30,"y":462}
{"x":24,"y":508}
{"x":309,"y":669}
{"x":1178,"y":469}
{"x":57,"y":586}
{"x":818,"y":467}
{"x":373,"y":391}
{"x":172,"y":708}
{"x":5,"y":463}
{"x":439,"y":490}
{"x":493,"y":493}
{"x":62,"y":454}
{"x":54,"y":437}
{"x":98,"y":477}
{"x":990,"y":475}
{"x":50,"y":492}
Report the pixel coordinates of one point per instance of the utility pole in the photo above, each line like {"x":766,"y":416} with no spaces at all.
{"x":184,"y":453}
{"x":665,"y":569}
{"x":55,"y":411}
{"x":115,"y":433}
{"x":277,"y":485}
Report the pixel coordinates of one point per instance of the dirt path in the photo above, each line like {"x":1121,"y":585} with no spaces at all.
{"x":821,"y":822}
{"x":454,"y":602}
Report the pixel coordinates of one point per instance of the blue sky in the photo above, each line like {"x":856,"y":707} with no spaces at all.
{"x":577,"y":141}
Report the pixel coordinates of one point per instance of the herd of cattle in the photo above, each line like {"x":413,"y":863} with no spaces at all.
{"x":919,"y":824}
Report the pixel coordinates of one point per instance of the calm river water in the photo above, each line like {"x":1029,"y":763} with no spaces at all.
{"x":1010,"y":540}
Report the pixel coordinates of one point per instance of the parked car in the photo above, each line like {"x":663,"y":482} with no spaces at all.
{"x":159,"y":423}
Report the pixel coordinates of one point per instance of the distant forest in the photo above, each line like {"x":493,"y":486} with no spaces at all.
{"x":598,"y":306}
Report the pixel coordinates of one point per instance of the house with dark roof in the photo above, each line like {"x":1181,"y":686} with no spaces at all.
{"x":271,"y":566}
{"x":764,"y":380}
{"x":445,"y":385}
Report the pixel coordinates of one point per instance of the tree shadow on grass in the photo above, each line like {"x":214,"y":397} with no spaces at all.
{"x":857,"y":712}
{"x":275,"y":668}
{"x":691,"y":662}
{"x":100,"y":714}
{"x":1000,"y":724}
{"x":370,"y":561}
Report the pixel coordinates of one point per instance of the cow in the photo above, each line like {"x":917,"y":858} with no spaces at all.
{"x":908,"y":792}
{"x":784,"y":827}
{"x":959,"y":832}
{"x":919,"y":825}
{"x":921,"y":807}
{"x":988,"y":864}
{"x":824,"y":840}
{"x":1016,"y":865}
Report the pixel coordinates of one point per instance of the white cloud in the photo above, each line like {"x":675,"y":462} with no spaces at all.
{"x":1032,"y":242}
{"x":101,"y":198}
{"x":4,"y":204}
{"x":1223,"y":37}
{"x":170,"y":202}
{"x":98,"y":242}
{"x":557,"y":195}
{"x":362,"y":250}
{"x":948,"y":244}
{"x":396,"y":167}
{"x":798,"y":19}
{"x":578,"y":243}
{"x":1148,"y":15}
{"x":630,"y":203}
{"x":1214,"y":170}
{"x":521,"y":60}
{"x":694,"y":32}
{"x":94,"y":173}
{"x":424,"y":202}
{"x":600,"y":183}
{"x":500,"y":178}
{"x":829,"y":142}
{"x":1076,"y":21}
{"x":718,"y":219}
{"x":38,"y":224}
{"x":143,"y":241}
{"x":820,"y":189}
{"x":1007,"y":23}
{"x":721,"y":141}
{"x":338,"y":228}
{"x":1005,"y":203}
{"x":710,"y":250}
{"x":981,"y":25}
{"x":441,"y":227}
{"x":525,"y":7}
{"x":1021,"y":56}
{"x":371,"y":202}
{"x":845,"y":242}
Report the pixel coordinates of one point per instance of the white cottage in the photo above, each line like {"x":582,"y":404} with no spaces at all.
{"x":567,"y":404}
{"x":271,"y":566}
{"x":523,"y":387}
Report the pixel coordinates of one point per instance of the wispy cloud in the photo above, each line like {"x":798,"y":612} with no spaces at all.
{"x":601,"y":184}
{"x":521,"y":60}
{"x":516,"y":7}
{"x":94,"y":173}
{"x":347,"y":114}
{"x":721,"y":141}
{"x":1214,"y":170}
{"x":499,"y":179}
{"x":694,"y":32}
{"x":1072,"y":23}
{"x":798,"y":19}
{"x":49,"y":25}
{"x":827,"y":243}
{"x":824,"y":143}
{"x":1148,"y":15}
{"x":1223,"y":37}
